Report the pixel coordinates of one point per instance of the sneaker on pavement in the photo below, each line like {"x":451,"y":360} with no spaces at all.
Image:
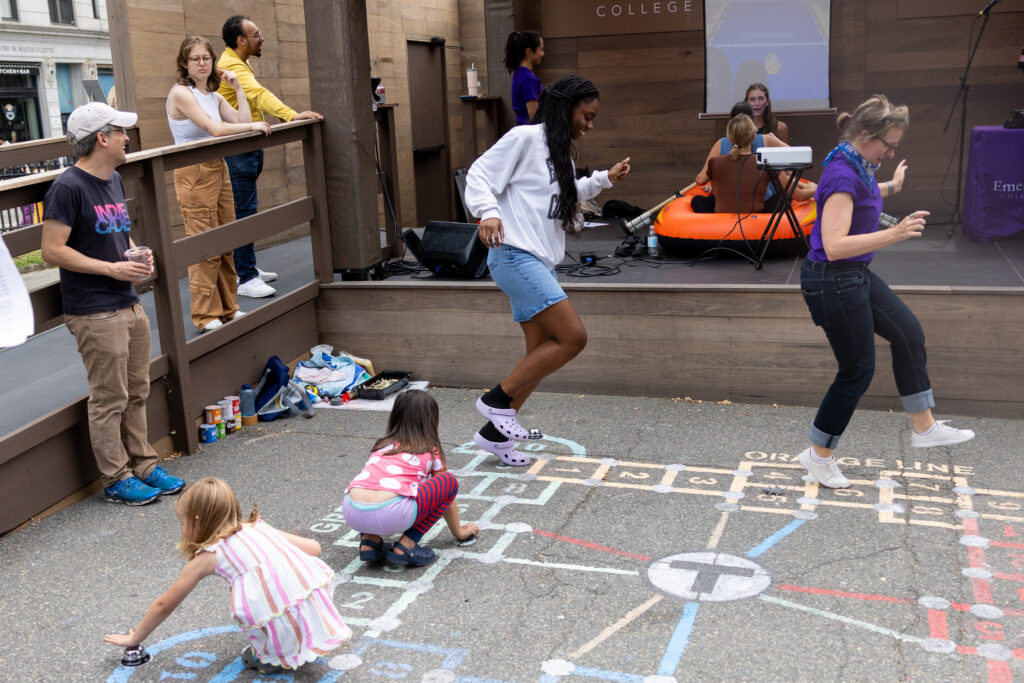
{"x":131,"y":491}
{"x":941,"y":435}
{"x":266,"y":275}
{"x":161,"y":479}
{"x":826,"y":474}
{"x":237,"y":315}
{"x":212,"y":325}
{"x":256,"y":288}
{"x":251,"y":661}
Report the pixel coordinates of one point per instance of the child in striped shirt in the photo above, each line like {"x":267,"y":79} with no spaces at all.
{"x":405,"y":487}
{"x":281,"y":594}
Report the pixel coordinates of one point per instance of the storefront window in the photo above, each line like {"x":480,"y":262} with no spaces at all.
{"x":19,"y":103}
{"x":8,"y":10}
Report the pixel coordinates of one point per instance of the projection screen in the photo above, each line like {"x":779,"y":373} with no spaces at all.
{"x":780,"y":43}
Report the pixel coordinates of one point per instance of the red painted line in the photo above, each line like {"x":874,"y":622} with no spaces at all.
{"x":1006,"y":544}
{"x":845,"y":594}
{"x":593,"y":546}
{"x":1018,"y":654}
{"x":1010,"y":577}
{"x":938,"y":627}
{"x":965,"y":650}
{"x":976,"y":558}
{"x":998,"y":672}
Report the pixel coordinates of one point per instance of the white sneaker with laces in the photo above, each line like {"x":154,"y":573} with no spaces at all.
{"x":941,"y":435}
{"x":826,"y":474}
{"x":212,"y":325}
{"x":237,"y":315}
{"x":256,"y":288}
{"x":266,"y":275}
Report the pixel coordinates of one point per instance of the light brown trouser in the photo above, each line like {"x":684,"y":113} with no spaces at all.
{"x":115,"y":349}
{"x":204,"y":193}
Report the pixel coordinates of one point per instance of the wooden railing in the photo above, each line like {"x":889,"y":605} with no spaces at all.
{"x":187,"y":372}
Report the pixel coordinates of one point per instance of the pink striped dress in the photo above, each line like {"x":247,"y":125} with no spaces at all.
{"x":280,"y":596}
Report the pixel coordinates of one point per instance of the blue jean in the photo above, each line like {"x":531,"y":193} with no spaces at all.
{"x":530,"y":286}
{"x":852,"y":304}
{"x":245,"y":169}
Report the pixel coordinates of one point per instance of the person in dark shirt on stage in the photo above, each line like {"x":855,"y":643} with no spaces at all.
{"x":739,"y":185}
{"x":761,"y":102}
{"x":523,"y":52}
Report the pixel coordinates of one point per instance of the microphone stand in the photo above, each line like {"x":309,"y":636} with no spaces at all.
{"x":956,"y":218}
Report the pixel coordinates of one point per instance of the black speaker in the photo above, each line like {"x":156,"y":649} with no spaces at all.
{"x":452,"y":249}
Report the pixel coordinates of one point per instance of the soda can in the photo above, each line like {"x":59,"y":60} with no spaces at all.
{"x":229,"y":426}
{"x":227,"y":411}
{"x":221,"y":430}
{"x":238,"y":421}
{"x":236,"y":404}
{"x":207,"y":433}
{"x":213,"y":415}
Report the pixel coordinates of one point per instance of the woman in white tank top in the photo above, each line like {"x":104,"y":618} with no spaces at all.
{"x":195,"y":111}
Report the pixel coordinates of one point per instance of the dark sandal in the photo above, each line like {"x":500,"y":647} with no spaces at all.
{"x":505,"y":450}
{"x":504,"y":420}
{"x":376,"y":554}
{"x":417,"y":556}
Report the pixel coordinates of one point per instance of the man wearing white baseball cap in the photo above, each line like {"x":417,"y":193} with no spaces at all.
{"x":86,"y":231}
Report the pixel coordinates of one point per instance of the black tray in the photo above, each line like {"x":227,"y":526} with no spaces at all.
{"x":379,"y":394}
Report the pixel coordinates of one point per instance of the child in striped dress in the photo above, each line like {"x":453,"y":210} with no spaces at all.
{"x":281,"y":594}
{"x":405,"y":487}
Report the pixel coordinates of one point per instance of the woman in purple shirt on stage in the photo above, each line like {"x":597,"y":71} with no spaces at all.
{"x":523,"y":52}
{"x":851,"y":303}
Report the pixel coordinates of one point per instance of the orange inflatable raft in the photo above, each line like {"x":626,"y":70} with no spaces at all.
{"x":682,"y":231}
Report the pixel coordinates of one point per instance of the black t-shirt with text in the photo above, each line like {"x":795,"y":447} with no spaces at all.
{"x":95,"y":211}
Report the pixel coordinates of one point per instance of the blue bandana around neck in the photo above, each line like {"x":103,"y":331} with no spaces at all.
{"x":864,"y":168}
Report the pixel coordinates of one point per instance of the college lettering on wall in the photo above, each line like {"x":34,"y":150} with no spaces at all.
{"x":573,"y":18}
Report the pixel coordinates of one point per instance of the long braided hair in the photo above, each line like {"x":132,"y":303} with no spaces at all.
{"x":554,"y":112}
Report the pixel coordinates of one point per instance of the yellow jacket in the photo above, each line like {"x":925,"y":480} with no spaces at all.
{"x":260,"y":99}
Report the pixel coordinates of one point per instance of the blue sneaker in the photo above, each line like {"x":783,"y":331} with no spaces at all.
{"x":161,"y":479}
{"x":131,"y":491}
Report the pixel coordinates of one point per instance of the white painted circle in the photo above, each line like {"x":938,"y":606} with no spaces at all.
{"x":592,"y":482}
{"x":966,"y":514}
{"x":344,"y":662}
{"x":657,"y":678}
{"x":675,"y":467}
{"x":733,"y":495}
{"x":518,"y":528}
{"x":996,"y":652}
{"x":489,"y":558}
{"x":808,"y":501}
{"x":977,"y":573}
{"x":505,"y":500}
{"x":805,"y":514}
{"x":708,"y":576}
{"x":974,"y":541}
{"x":938,"y":646}
{"x":727,"y":507}
{"x":557,"y":667}
{"x":933,"y":602}
{"x":888,"y":484}
{"x":742,"y":473}
{"x":662,"y":488}
{"x":609,"y":462}
{"x":384,"y":624}
{"x":419,"y":586}
{"x":986,"y":611}
{"x":439,"y":676}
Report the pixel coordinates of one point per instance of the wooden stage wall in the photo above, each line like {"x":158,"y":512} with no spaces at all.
{"x":745,"y":344}
{"x":913,"y":51}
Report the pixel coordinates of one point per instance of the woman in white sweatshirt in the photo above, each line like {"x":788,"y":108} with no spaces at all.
{"x":525,"y":191}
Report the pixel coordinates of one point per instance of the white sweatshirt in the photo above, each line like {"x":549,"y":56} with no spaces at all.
{"x":515,"y":181}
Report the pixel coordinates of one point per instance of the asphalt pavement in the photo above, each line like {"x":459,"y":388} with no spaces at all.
{"x":649,"y":540}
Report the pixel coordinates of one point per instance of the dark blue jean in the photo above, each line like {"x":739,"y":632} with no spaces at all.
{"x":852,"y":305}
{"x":245,"y":169}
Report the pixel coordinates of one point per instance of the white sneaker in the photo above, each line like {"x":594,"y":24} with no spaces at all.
{"x":266,"y":275}
{"x":256,"y":288}
{"x":237,"y":315}
{"x":212,"y":325}
{"x":941,"y":435}
{"x":827,"y":474}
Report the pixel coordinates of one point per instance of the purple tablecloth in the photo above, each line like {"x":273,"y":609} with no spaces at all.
{"x":994,"y":193}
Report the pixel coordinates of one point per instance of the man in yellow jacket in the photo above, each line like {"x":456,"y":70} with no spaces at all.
{"x":242,"y":39}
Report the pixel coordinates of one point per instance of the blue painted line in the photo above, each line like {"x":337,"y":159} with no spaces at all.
{"x":680,"y":639}
{"x":767,"y":543}
{"x":616,"y":676}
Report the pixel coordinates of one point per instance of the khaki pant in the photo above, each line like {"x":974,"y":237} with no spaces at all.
{"x":204,"y":193}
{"x":115,"y":349}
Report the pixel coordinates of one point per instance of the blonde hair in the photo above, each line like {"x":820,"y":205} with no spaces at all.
{"x":212,"y":512}
{"x":872,"y":119}
{"x":740,"y":131}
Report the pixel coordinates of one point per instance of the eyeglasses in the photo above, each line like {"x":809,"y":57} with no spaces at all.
{"x":109,"y":129}
{"x":200,"y":59}
{"x":255,"y":35}
{"x":889,"y":146}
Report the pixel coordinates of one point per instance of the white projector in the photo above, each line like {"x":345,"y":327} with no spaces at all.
{"x":768,"y":157}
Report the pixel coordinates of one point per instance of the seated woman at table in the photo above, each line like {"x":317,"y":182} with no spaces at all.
{"x":739,"y":185}
{"x":761,"y":102}
{"x":724,"y":145}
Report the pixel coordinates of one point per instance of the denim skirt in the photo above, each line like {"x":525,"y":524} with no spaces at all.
{"x":529,"y":285}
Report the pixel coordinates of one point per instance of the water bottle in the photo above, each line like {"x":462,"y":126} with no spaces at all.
{"x":247,"y":404}
{"x":652,"y":242}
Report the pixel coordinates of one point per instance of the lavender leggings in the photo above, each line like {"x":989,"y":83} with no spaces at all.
{"x":392,"y":516}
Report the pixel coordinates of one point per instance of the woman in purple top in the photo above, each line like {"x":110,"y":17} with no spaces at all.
{"x":523,"y":52}
{"x":851,"y":303}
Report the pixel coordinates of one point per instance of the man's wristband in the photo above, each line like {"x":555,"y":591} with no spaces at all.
{"x":892,"y":187}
